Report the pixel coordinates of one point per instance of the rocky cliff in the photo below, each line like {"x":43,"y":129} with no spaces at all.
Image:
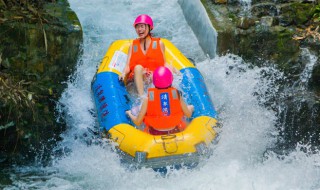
{"x":39,"y":46}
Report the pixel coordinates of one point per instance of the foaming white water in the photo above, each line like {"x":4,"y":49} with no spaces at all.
{"x":239,"y":160}
{"x":306,"y":74}
{"x":249,"y":125}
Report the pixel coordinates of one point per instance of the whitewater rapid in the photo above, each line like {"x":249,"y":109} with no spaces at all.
{"x":241,"y":159}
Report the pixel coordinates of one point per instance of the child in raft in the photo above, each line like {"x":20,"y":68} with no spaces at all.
{"x":163,"y":110}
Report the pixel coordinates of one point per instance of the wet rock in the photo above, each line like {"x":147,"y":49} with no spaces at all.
{"x":220,"y":1}
{"x":280,"y":31}
{"x":295,"y":13}
{"x":315,"y":78}
{"x":299,"y":121}
{"x":268,"y":32}
{"x":285,"y":20}
{"x":264,"y":9}
{"x":245,"y":23}
{"x":39,"y":50}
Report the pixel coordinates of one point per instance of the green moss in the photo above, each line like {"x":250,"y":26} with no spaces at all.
{"x":212,"y":18}
{"x":71,"y":15}
{"x":29,"y":69}
{"x":284,"y":40}
{"x":232,"y":16}
{"x":302,"y":12}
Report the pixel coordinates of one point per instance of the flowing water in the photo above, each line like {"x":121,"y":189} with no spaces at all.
{"x":241,"y":160}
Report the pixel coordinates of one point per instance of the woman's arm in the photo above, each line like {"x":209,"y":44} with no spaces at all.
{"x":137,"y":120}
{"x":163,"y":50}
{"x":187,"y":109}
{"x":169,"y":66}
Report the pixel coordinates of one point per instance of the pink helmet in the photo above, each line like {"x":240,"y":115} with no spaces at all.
{"x":162,"y":77}
{"x":144,"y":19}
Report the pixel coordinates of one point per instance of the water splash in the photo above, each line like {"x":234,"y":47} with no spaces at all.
{"x":245,"y":8}
{"x":310,"y":60}
{"x":241,"y":160}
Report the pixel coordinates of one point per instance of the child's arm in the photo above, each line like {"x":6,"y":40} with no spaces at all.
{"x":137,"y":120}
{"x":187,"y":109}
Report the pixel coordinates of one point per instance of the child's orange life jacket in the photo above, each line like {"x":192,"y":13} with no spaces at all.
{"x":164,"y":110}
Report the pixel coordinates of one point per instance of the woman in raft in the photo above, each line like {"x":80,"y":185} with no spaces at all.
{"x":163,"y":109}
{"x":146,"y":53}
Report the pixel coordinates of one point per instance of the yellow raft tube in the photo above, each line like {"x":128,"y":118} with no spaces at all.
{"x":137,"y":147}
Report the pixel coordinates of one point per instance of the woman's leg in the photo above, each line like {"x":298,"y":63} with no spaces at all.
{"x":138,"y":79}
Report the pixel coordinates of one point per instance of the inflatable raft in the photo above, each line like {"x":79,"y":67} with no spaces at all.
{"x":140,"y":148}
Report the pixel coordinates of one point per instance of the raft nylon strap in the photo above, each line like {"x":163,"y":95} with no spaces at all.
{"x":154,"y":45}
{"x":151,"y":96}
{"x":135,"y":48}
{"x":174,"y":94}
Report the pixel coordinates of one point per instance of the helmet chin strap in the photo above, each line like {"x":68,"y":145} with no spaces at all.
{"x":145,"y":39}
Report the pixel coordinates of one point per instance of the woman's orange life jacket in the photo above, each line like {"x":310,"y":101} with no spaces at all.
{"x":164,"y":110}
{"x":151,"y":60}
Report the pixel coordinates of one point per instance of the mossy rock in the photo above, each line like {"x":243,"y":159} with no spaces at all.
{"x":305,"y":130}
{"x":43,"y":53}
{"x":297,"y":13}
{"x":264,"y":9}
{"x":315,"y":80}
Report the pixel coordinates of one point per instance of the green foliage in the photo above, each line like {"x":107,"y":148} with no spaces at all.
{"x":24,"y":3}
{"x":35,"y":36}
{"x":15,"y":99}
{"x":316,"y":14}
